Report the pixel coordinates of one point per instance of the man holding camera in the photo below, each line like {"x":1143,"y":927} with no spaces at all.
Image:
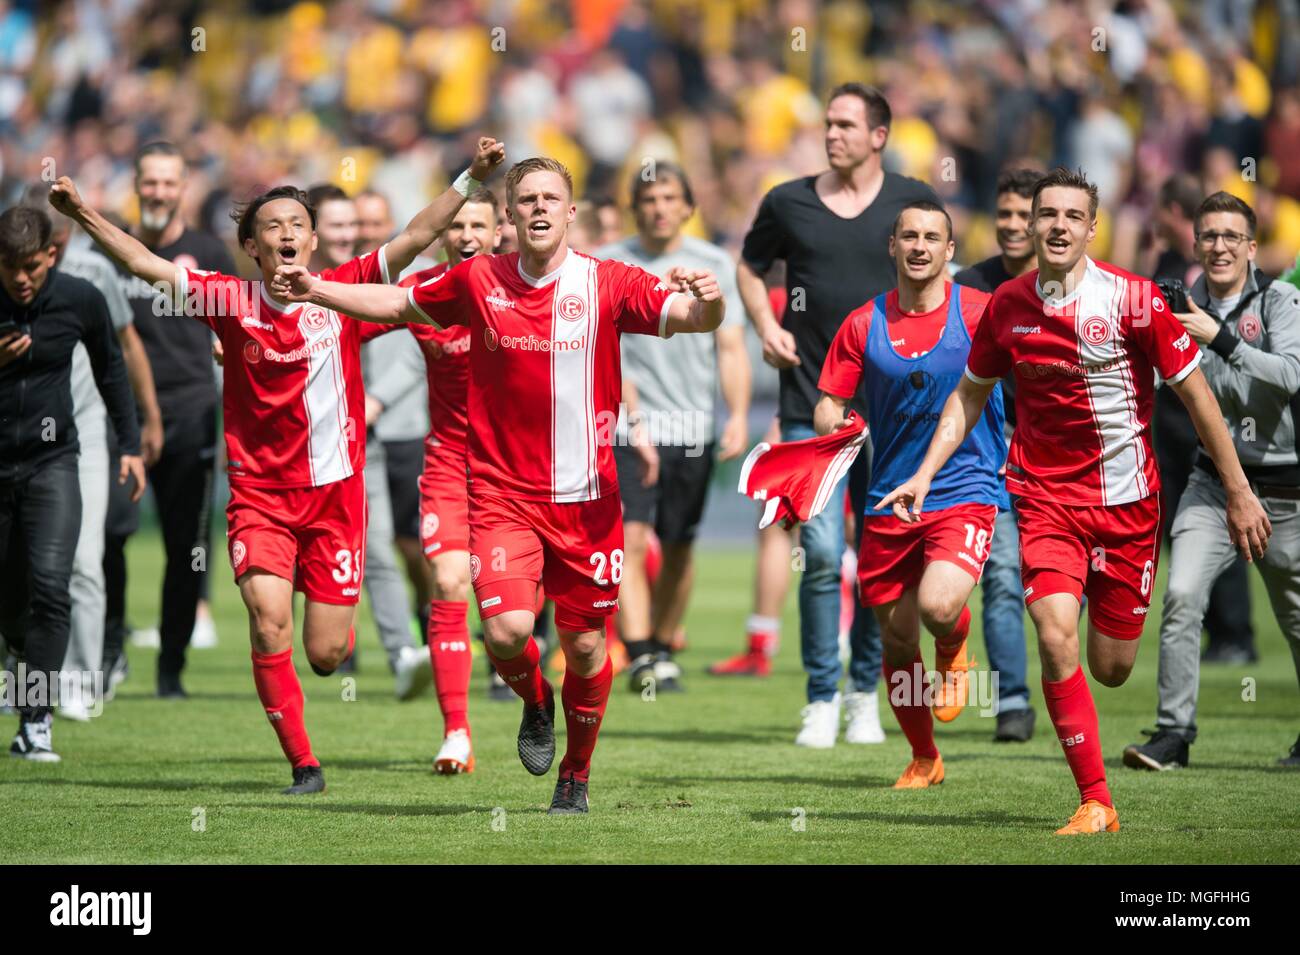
{"x":1249,"y":331}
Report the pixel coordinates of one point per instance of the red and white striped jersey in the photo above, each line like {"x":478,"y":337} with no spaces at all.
{"x":446,"y":359}
{"x":545,"y":378}
{"x":797,"y":478}
{"x":1085,"y":370}
{"x":293,"y":400}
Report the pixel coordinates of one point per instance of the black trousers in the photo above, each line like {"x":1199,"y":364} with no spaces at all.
{"x":181,"y":481}
{"x":1227,"y":620}
{"x":40,"y":519}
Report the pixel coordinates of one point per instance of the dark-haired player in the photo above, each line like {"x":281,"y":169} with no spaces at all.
{"x":909,"y":347}
{"x":543,"y":395}
{"x":179,"y":444}
{"x":295,"y":430}
{"x":1084,"y":340}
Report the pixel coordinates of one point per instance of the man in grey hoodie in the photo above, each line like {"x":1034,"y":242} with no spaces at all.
{"x":1249,"y":332}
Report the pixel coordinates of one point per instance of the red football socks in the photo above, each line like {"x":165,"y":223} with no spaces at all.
{"x":762,"y":632}
{"x":907,"y":700}
{"x":523,"y":673}
{"x":584,"y":699}
{"x":949,"y":645}
{"x":449,"y":653}
{"x":1073,"y":713}
{"x":281,"y":695}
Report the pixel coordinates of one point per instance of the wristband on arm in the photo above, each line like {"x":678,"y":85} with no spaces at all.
{"x":466,"y":184}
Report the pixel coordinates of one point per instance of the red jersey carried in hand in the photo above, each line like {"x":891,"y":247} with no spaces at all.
{"x":293,"y":400}
{"x":1085,"y":381}
{"x":797,"y":478}
{"x":545,"y":379}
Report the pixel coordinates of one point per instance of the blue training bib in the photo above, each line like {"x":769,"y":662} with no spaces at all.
{"x":905,"y":397}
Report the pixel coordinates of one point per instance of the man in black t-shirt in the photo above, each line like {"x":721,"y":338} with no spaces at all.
{"x":180,"y":354}
{"x":832,"y":231}
{"x":1003,"y":606}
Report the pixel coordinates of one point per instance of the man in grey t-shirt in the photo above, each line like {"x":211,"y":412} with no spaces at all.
{"x":665,"y":453}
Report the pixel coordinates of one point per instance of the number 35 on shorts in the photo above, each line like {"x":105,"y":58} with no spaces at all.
{"x":349,"y":566}
{"x":613,"y":564}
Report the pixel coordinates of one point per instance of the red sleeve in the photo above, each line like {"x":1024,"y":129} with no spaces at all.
{"x":211,"y":297}
{"x":443,"y":298}
{"x":1158,"y":335}
{"x":641,"y":300}
{"x":842,"y":371}
{"x":370,"y":268}
{"x":988,"y":361}
{"x":372,"y":330}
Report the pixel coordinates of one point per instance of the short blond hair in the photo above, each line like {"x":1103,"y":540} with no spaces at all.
{"x":536,"y":164}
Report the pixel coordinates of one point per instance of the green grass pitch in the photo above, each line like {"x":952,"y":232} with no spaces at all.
{"x":702,"y":777}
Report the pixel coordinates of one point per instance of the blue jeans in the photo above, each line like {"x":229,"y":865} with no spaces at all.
{"x":1004,"y":615}
{"x":822,"y":540}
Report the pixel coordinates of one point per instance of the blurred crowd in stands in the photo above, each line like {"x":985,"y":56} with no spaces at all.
{"x":389,"y":95}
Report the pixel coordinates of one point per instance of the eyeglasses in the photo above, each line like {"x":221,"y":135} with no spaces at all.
{"x":1231,"y":240}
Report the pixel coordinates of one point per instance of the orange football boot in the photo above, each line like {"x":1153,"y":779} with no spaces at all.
{"x":1091,"y":818}
{"x":921,"y":773}
{"x":950,"y":689}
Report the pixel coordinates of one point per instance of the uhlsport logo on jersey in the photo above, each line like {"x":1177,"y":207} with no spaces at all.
{"x":571,"y":308}
{"x":1096,"y":330}
{"x":498,"y":299}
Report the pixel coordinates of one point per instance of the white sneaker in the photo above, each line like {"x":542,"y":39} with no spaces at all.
{"x":456,"y":755}
{"x":412,"y":673}
{"x":821,"y":724}
{"x":115,"y":676}
{"x":77,"y":709}
{"x":863,"y":712}
{"x":33,"y":741}
{"x":204,"y":634}
{"x":148,"y":638}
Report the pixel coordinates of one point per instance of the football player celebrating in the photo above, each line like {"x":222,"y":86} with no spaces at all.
{"x":543,"y":397}
{"x":444,"y":495}
{"x":910,"y":346}
{"x":294,"y":417}
{"x":1083,"y":339}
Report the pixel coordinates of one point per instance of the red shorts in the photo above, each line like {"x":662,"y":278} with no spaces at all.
{"x":444,"y":500}
{"x":1109,"y":553}
{"x":574,"y":550}
{"x":893,"y":555}
{"x":314,"y":536}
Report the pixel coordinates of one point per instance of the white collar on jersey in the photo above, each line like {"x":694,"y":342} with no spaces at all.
{"x":284,"y":308}
{"x":1065,"y":300}
{"x":546,"y":279}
